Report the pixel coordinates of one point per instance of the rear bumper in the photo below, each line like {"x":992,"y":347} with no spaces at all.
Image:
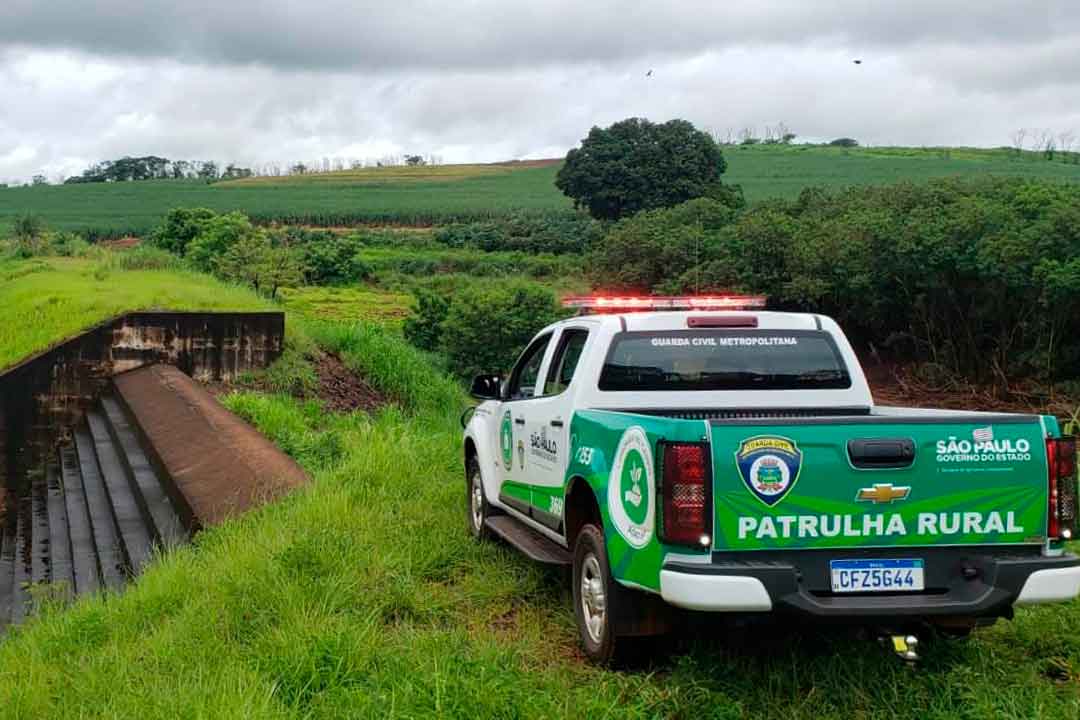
{"x":958,"y":585}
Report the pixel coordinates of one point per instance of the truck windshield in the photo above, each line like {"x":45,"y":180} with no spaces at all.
{"x":724,"y":360}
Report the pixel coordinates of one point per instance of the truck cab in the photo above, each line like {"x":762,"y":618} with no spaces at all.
{"x":709,"y":455}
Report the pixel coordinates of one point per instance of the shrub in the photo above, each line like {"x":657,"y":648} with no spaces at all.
{"x":642,"y":252}
{"x":331,"y":259}
{"x":423,"y":328}
{"x":29,"y":235}
{"x":529,"y":232}
{"x":180,"y":227}
{"x":488,"y":325}
{"x":978,"y":276}
{"x":482,"y":235}
{"x":217,"y":235}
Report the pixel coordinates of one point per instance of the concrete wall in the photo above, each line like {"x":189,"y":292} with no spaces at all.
{"x":48,"y":392}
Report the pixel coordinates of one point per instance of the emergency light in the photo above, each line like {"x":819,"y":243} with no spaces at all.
{"x":602,"y":303}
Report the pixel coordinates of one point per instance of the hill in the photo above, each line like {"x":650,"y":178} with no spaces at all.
{"x":440,"y":194}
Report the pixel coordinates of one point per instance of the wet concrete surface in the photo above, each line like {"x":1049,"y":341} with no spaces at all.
{"x":59,"y":520}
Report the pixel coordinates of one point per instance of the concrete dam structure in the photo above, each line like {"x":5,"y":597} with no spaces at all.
{"x":111,"y":451}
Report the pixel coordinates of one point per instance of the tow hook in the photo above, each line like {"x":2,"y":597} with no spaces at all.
{"x":904,"y":646}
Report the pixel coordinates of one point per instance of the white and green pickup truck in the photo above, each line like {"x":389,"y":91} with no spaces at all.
{"x":703,"y":454}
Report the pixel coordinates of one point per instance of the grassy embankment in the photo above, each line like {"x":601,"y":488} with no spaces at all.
{"x":362,"y":596}
{"x":436,"y":195}
{"x":44,"y":301}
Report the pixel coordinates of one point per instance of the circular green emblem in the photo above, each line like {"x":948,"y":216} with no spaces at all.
{"x":506,"y":441}
{"x":633,"y":488}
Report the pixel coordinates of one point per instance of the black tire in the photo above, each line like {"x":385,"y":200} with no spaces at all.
{"x":600,"y":641}
{"x":476,"y":517}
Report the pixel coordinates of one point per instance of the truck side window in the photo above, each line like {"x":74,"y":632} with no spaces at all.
{"x":565,"y":361}
{"x":527,"y":371}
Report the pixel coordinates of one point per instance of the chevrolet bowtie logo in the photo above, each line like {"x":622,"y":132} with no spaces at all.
{"x":883,"y":493}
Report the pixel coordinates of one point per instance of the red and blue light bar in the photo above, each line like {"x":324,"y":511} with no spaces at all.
{"x":646,"y":303}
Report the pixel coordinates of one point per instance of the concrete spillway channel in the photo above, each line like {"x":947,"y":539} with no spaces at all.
{"x":92,"y":520}
{"x":110,"y":452}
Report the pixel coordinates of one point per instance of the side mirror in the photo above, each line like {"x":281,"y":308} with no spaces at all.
{"x":486,"y":387}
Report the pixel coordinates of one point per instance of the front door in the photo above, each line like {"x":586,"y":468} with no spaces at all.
{"x":513,"y":437}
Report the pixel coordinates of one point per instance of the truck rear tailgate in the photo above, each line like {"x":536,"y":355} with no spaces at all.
{"x":866,"y":482}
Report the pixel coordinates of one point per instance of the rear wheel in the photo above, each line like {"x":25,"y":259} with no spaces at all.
{"x":477,"y":510}
{"x":598,"y":599}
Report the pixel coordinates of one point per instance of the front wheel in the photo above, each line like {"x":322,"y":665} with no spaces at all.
{"x":597,"y":598}
{"x":477,"y":509}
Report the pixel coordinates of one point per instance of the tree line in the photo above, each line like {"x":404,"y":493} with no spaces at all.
{"x":153,"y":167}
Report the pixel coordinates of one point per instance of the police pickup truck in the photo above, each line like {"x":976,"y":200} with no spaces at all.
{"x":702,"y":453}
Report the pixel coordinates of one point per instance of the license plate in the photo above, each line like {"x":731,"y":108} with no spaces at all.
{"x":876,"y":575}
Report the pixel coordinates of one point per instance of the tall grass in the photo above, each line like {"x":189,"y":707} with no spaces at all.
{"x":392,"y":365}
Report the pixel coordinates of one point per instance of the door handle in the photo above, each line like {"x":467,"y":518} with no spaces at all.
{"x":519,"y":421}
{"x":556,"y":423}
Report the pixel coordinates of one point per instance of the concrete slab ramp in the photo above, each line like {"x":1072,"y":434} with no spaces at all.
{"x":216,"y":464}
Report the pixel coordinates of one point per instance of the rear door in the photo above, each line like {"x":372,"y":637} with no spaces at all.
{"x":878,"y":481}
{"x":547,"y":426}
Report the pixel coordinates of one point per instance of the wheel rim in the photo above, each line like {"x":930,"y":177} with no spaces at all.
{"x":477,"y":503}
{"x":593,"y":600}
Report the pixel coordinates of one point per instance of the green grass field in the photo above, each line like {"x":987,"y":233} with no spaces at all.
{"x":435,"y":195}
{"x":363,"y":595}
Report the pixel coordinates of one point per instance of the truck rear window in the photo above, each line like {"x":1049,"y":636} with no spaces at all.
{"x":724,"y":360}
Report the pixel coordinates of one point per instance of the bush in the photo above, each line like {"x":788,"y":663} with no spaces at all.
{"x":180,"y":227}
{"x":534,"y":233}
{"x":29,"y":236}
{"x":979,"y":276}
{"x":642,"y":252}
{"x":331,"y":259}
{"x":487,"y":326}
{"x":423,"y":328}
{"x":216,"y":236}
{"x":481,"y":235}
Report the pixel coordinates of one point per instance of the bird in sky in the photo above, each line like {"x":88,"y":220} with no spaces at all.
{"x":648,"y":74}
{"x":858,"y":62}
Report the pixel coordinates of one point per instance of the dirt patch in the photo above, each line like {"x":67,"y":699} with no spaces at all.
{"x":337,"y":387}
{"x":901,"y":386}
{"x":544,"y":162}
{"x":124,"y":243}
{"x":342,"y":390}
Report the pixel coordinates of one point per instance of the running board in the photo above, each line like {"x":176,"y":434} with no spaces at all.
{"x":534,"y":545}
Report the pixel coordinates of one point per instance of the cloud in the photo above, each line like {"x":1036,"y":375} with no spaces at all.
{"x":350,"y":35}
{"x":481,"y":81}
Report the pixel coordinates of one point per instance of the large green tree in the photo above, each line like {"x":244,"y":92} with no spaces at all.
{"x":638,"y":165}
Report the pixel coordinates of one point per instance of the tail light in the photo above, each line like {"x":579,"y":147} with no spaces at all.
{"x":687,"y":519}
{"x":1062,"y":502}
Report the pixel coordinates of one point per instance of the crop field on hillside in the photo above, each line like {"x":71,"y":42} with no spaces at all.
{"x":112,"y":209}
{"x":441,"y":194}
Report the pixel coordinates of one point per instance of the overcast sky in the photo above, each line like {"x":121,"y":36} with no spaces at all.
{"x":485,"y":80}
